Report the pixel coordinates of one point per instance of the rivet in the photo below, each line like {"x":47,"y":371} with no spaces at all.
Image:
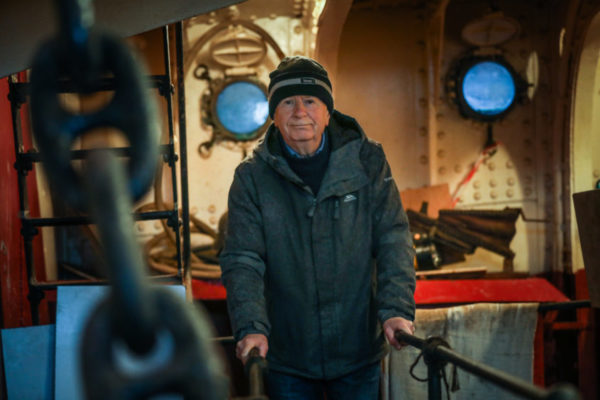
{"x":457,"y":168}
{"x":273,"y":16}
{"x":157,"y":225}
{"x":194,"y":210}
{"x":441,"y":153}
{"x":509,"y":193}
{"x":510,"y":181}
{"x":423,"y":159}
{"x":493,"y":183}
{"x":527,"y":191}
{"x":493,"y":194}
{"x":476,"y":195}
{"x":509,"y":164}
{"x":212,"y":208}
{"x":528,"y":161}
{"x":297,"y":29}
{"x":423,"y":131}
{"x":476,"y":184}
{"x":491,"y":166}
{"x":439,"y":116}
{"x":442,"y":170}
{"x":422,"y":102}
{"x":441,"y":134}
{"x":528,"y":180}
{"x":596,"y":173}
{"x":212,"y":220}
{"x":140,"y":227}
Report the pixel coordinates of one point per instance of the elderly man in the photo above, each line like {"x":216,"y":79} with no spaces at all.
{"x":318,"y":260}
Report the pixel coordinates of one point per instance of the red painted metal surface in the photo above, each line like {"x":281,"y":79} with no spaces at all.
{"x":444,"y":291}
{"x":208,"y":290}
{"x":486,"y":290}
{"x":13,"y":286}
{"x":15,"y":311}
{"x":587,"y":342}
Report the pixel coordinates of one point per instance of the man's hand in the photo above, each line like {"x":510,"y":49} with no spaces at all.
{"x":394,"y":324}
{"x":250,"y":341}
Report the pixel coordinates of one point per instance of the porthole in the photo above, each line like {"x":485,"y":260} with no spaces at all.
{"x":485,"y":88}
{"x":241,"y":109}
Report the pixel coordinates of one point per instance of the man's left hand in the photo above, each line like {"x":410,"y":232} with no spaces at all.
{"x":394,"y":324}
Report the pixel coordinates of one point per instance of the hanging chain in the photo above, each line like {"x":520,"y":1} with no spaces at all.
{"x":141,"y":341}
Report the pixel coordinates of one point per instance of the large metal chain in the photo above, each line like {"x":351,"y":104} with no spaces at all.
{"x":84,"y":59}
{"x":141,"y":341}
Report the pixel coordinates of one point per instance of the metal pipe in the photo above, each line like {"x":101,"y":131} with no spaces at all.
{"x":23,"y":89}
{"x":185,"y":212}
{"x":86,"y":220}
{"x":434,"y":382}
{"x":255,"y":367}
{"x":565,"y":305}
{"x":31,"y":156}
{"x":168,"y":94}
{"x":496,"y":376}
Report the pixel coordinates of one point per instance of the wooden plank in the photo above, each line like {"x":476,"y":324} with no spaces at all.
{"x":587,"y":210}
{"x":453,"y":273}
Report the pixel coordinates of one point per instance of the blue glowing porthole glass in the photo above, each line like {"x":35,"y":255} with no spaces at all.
{"x":488,"y":88}
{"x":242,"y":108}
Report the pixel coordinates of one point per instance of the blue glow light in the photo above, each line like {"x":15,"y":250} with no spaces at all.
{"x":242,"y":108}
{"x":488,"y":88}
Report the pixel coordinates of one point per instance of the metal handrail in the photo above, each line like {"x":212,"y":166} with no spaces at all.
{"x":436,"y":355}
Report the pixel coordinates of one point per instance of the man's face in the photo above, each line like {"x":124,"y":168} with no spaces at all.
{"x":302,"y":121}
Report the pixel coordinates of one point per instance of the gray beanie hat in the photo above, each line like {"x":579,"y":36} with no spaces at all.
{"x":299,"y":75}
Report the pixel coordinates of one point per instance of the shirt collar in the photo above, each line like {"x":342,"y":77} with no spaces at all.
{"x":295,"y":154}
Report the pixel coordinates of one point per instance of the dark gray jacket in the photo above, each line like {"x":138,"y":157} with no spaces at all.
{"x":317,"y":274}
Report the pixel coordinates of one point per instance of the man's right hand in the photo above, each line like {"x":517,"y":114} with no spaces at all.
{"x":250,"y":341}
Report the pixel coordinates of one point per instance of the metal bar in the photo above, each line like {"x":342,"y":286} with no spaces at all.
{"x":186,"y":273}
{"x":87,"y":220}
{"x":224,"y":339}
{"x":566,"y":305}
{"x":255,"y":367}
{"x":50,"y":285}
{"x":104,"y":84}
{"x":172,"y":158}
{"x":434,"y":382}
{"x":496,"y":376}
{"x":501,"y":378}
{"x":34,"y":156}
